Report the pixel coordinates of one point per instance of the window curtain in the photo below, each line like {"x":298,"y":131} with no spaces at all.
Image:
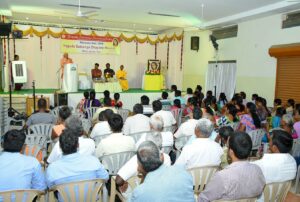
{"x":223,"y":77}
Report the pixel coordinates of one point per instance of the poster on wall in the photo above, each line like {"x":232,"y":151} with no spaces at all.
{"x":72,"y":43}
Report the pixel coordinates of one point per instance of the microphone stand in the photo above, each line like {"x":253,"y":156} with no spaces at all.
{"x":33,"y":94}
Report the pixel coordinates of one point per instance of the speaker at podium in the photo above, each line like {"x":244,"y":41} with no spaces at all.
{"x":70,"y":79}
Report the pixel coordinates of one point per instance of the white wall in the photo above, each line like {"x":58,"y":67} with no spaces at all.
{"x":256,"y":70}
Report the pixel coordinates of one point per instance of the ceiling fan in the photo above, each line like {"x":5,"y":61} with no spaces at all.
{"x":80,"y":13}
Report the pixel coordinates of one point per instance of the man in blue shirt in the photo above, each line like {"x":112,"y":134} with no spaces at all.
{"x":178,"y":97}
{"x":18,"y":171}
{"x":159,"y":182}
{"x":73,"y":166}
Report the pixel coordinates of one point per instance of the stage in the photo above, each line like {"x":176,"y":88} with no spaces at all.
{"x":129,"y":97}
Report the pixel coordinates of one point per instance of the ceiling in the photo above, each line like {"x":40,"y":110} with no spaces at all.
{"x":133,"y":14}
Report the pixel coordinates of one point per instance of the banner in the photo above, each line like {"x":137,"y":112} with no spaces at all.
{"x":72,"y":43}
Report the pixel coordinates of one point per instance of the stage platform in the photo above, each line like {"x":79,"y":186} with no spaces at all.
{"x":129,"y":97}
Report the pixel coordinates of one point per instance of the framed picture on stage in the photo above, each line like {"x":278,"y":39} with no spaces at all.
{"x":153,"y":67}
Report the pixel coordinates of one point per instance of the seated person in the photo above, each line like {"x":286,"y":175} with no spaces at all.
{"x":121,"y":76}
{"x":224,"y":134}
{"x":190,"y":104}
{"x":229,"y":116}
{"x":276,"y":104}
{"x":42,"y":116}
{"x":176,"y":105}
{"x":167,"y":116}
{"x":280,"y":111}
{"x":297,"y":120}
{"x":147,"y":108}
{"x":189,"y":94}
{"x":160,"y":182}
{"x":188,"y":128}
{"x":108,"y":72}
{"x":82,"y":105}
{"x":102,"y":127}
{"x":241,"y":179}
{"x":116,"y":142}
{"x":116,"y":102}
{"x":290,"y":106}
{"x":18,"y":171}
{"x":164,"y":99}
{"x":73,"y":166}
{"x":63,"y":114}
{"x":279,"y":165}
{"x":96,"y":72}
{"x":287,"y":124}
{"x":178,"y":96}
{"x":202,"y":151}
{"x":130,"y":168}
{"x":106,"y":94}
{"x":93,"y":102}
{"x":157,"y":126}
{"x":86,"y":145}
{"x":138,"y":122}
{"x":106,"y":105}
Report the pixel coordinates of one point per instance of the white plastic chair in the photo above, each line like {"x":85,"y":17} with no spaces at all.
{"x":256,"y":136}
{"x":41,"y":129}
{"x":90,"y":111}
{"x":98,"y":138}
{"x":295,"y":152}
{"x":297,"y":190}
{"x":171,"y":129}
{"x":55,"y":112}
{"x":82,"y":191}
{"x":113,"y":162}
{"x":36,"y":143}
{"x":276,"y":192}
{"x":177,"y":113}
{"x":124,"y":113}
{"x":20,"y":195}
{"x":180,"y":142}
{"x":137,"y":136}
{"x":86,"y":124}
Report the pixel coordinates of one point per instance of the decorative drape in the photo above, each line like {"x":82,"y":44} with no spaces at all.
{"x":223,"y":77}
{"x":56,"y":32}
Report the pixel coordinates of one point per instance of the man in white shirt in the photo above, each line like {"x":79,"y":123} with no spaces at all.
{"x":116,"y":142}
{"x":167,"y":116}
{"x":130,"y":168}
{"x":202,"y":151}
{"x":188,"y":127}
{"x":279,"y":165}
{"x":147,"y":109}
{"x":136,"y":123}
{"x":86,"y":145}
{"x":102,"y":127}
{"x":107,"y":105}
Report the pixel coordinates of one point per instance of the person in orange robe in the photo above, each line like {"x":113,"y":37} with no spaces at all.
{"x":65,"y":60}
{"x":96,"y":72}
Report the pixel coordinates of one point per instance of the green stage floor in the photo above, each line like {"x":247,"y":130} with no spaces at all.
{"x":52,"y":91}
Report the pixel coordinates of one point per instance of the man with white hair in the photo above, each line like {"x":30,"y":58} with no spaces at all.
{"x":160,"y":183}
{"x":203,"y":151}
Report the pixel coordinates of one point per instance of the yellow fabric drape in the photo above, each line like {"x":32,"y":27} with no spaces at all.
{"x":31,"y":31}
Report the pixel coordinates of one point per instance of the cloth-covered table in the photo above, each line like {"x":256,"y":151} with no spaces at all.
{"x":112,"y":86}
{"x":153,"y":82}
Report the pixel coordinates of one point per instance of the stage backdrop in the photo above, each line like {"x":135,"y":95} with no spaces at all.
{"x":43,"y":55}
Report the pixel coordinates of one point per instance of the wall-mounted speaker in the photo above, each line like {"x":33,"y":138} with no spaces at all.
{"x":5,"y":29}
{"x":195,"y":40}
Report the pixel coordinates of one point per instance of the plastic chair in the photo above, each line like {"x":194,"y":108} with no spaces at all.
{"x":83,"y":191}
{"x":34,"y":145}
{"x":297,"y":190}
{"x":86,"y":124}
{"x":171,"y":129}
{"x":239,"y":200}
{"x":276,"y":192}
{"x":124,"y":113}
{"x":256,"y":136}
{"x":90,"y":111}
{"x":180,"y":142}
{"x":20,"y":195}
{"x":41,"y":129}
{"x":98,"y":138}
{"x":137,"y":136}
{"x":177,"y":113}
{"x":133,"y":182}
{"x":55,"y":112}
{"x":201,"y":176}
{"x":35,"y":139}
{"x":113,"y":162}
{"x":296,"y":148}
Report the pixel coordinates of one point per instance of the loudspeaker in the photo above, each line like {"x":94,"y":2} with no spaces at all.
{"x":60,"y":99}
{"x":17,"y":34}
{"x":195,"y":43}
{"x":5,"y":29}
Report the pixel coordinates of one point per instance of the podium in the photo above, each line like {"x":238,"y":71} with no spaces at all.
{"x":70,"y":79}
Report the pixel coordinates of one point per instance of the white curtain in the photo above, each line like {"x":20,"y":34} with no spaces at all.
{"x":223,"y":76}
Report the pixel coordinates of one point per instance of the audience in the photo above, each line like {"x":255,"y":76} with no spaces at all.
{"x":117,"y":103}
{"x":73,"y":166}
{"x":243,"y":95}
{"x":93,"y":102}
{"x":147,"y":108}
{"x":276,"y":104}
{"x":297,"y":120}
{"x":254,"y":96}
{"x":116,"y":142}
{"x":190,"y":105}
{"x":189,"y":94}
{"x":229,"y":116}
{"x":176,"y":105}
{"x":290,"y":106}
{"x":178,"y":97}
{"x":202,"y":151}
{"x":42,"y":116}
{"x":18,"y":171}
{"x":287,"y":124}
{"x":136,"y":123}
{"x":83,"y":104}
{"x":167,"y":116}
{"x":164,"y":99}
{"x":102,"y":127}
{"x":63,"y":113}
{"x":106,"y":94}
{"x":86,"y":145}
{"x":159,"y":182}
{"x":241,"y":179}
{"x":224,"y":134}
{"x":106,"y":105}
{"x":222,"y":101}
{"x":250,"y":121}
{"x":276,"y":120}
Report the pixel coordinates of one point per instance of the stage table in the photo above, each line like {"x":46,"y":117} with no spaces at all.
{"x":153,"y":82}
{"x":112,"y":87}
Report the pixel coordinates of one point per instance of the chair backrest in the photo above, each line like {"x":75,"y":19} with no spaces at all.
{"x":124,"y":113}
{"x":35,"y":139}
{"x":83,"y":191}
{"x":86,"y":124}
{"x":297,"y":190}
{"x":171,"y":129}
{"x":19,"y":195}
{"x":276,"y":192}
{"x":55,"y":112}
{"x":239,"y":200}
{"x":113,"y":162}
{"x":256,"y":136}
{"x":98,"y":138}
{"x":90,"y":111}
{"x":35,"y":151}
{"x":180,"y":142}
{"x":137,"y":136}
{"x":295,"y":152}
{"x":201,"y":176}
{"x":41,"y":129}
{"x":177,"y":113}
